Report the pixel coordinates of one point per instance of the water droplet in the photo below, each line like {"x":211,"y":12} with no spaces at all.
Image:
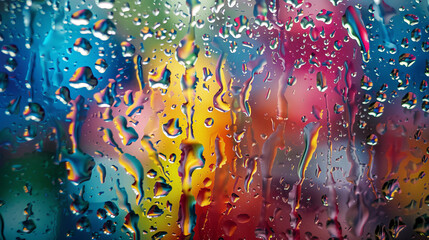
{"x":78,"y":205}
{"x":4,"y":81}
{"x":11,"y":64}
{"x":366,"y":83}
{"x":159,"y":235}
{"x":409,"y":101}
{"x":307,"y":22}
{"x":109,"y":227}
{"x":111,"y":209}
{"x":390,"y":188}
{"x":411,"y":19}
{"x":352,"y":20}
{"x":154,"y":212}
{"x":159,"y":79}
{"x":338,"y":108}
{"x":127,"y":49}
{"x":11,"y":50}
{"x":101,"y":65}
{"x":101,"y":213}
{"x":128,"y":135}
{"x":416,"y":35}
{"x":81,"y":17}
{"x":83,"y":224}
{"x":33,"y":111}
{"x":161,"y":189}
{"x":372,"y":140}
{"x":103,"y":29}
{"x":325,"y":16}
{"x":83,"y":46}
{"x":396,"y":225}
{"x":28,"y":226}
{"x":83,"y":78}
{"x":376,"y":109}
{"x":322,"y":84}
{"x":105,"y":4}
{"x":407,"y":59}
{"x":208,"y":122}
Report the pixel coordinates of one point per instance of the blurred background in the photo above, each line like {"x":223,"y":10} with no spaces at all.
{"x":226,"y":119}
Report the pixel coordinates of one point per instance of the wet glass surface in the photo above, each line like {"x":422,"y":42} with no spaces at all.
{"x":217,"y":119}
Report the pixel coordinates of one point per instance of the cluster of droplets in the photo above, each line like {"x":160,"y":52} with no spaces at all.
{"x":234,"y":97}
